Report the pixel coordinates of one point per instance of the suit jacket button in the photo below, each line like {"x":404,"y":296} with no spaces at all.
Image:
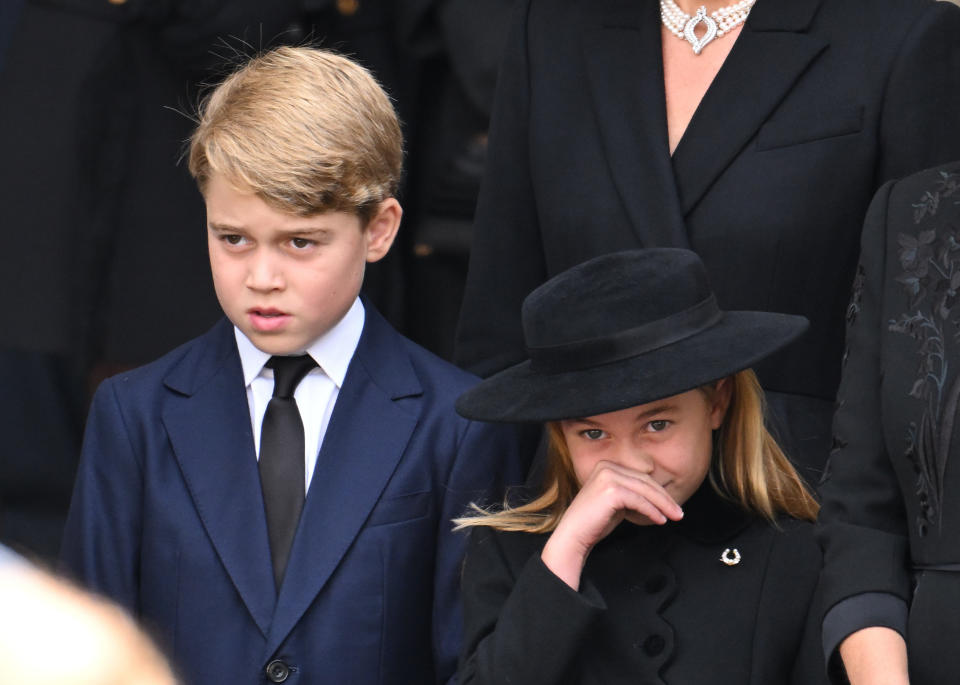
{"x":654,"y":644}
{"x":277,"y":671}
{"x":655,"y":584}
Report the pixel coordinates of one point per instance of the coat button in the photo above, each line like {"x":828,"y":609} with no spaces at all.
{"x":277,"y":671}
{"x":654,"y":644}
{"x":655,"y":584}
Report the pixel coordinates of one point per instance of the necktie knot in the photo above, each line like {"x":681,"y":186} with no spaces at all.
{"x":288,"y":372}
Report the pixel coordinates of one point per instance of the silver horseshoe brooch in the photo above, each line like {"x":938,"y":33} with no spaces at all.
{"x":730,"y":557}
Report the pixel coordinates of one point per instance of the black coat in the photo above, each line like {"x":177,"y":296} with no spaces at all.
{"x":818,"y":103}
{"x":656,"y":605}
{"x":892,"y":492}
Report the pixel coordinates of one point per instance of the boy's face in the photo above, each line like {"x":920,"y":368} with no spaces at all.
{"x":282,"y":279}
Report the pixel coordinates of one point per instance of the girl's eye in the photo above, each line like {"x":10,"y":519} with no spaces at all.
{"x":658,"y":425}
{"x":593,"y":434}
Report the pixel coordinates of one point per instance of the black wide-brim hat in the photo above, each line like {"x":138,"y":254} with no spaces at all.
{"x":622,"y":330}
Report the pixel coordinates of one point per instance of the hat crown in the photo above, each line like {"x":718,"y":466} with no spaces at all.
{"x":614,"y":293}
{"x":620,"y":331}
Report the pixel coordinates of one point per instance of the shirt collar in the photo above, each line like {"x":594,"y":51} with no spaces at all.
{"x":332,"y":351}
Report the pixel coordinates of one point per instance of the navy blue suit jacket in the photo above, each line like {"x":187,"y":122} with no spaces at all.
{"x":167,"y":516}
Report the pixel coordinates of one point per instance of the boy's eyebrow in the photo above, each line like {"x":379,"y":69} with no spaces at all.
{"x":223,"y":228}
{"x":305,"y":230}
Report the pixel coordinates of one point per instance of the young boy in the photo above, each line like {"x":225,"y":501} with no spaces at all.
{"x":267,"y":540}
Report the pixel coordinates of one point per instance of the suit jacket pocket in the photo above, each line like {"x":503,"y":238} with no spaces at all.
{"x":806,"y":126}
{"x":400,"y":508}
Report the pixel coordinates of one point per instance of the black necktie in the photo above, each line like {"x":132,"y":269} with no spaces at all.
{"x":281,"y":458}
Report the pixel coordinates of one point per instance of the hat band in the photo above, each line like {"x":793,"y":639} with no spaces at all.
{"x":632,"y":342}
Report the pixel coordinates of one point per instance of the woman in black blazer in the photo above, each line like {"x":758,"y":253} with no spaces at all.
{"x":890,"y":523}
{"x":817,"y":103}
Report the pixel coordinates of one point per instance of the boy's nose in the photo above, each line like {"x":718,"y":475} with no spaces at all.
{"x":264,"y":272}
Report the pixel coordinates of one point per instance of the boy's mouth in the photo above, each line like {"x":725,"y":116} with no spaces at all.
{"x":267,"y":319}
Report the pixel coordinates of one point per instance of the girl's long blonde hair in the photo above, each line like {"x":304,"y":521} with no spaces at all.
{"x":748,"y":468}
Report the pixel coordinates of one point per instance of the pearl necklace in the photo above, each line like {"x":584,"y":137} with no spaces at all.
{"x":718,"y":23}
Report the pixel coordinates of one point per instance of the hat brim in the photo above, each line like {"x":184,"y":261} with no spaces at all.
{"x":736,"y":342}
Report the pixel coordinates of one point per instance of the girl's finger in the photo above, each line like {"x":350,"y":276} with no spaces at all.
{"x":643,"y":485}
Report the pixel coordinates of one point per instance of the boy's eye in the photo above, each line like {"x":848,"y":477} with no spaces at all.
{"x":232,"y":239}
{"x":301,"y":243}
{"x":658,"y":425}
{"x":593,"y":434}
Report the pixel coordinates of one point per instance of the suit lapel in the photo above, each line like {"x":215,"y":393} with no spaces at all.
{"x":631,"y":111}
{"x":767,"y":59}
{"x":209,"y":427}
{"x":365,"y":440}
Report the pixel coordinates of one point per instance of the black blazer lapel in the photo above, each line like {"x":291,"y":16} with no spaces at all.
{"x":769,"y":56}
{"x":367,"y":436}
{"x":208,"y":422}
{"x":631,"y":112}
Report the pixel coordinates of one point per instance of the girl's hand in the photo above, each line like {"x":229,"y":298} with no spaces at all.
{"x":611,"y":494}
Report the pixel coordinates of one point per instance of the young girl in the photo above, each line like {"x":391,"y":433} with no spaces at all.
{"x":672,"y":541}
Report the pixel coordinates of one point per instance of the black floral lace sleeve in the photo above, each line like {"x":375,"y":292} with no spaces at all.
{"x":930,"y":279}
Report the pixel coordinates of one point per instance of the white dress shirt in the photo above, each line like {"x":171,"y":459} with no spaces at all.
{"x":316,"y":394}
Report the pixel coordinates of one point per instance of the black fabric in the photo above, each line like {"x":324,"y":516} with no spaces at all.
{"x":933,"y":629}
{"x":461,"y":42}
{"x":41,"y":423}
{"x":890,"y":502}
{"x":631,"y":342}
{"x":818,"y":103}
{"x":9,"y":11}
{"x":621,"y":330}
{"x":281,"y":458}
{"x":656,"y":606}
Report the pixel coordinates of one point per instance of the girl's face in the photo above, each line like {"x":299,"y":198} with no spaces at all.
{"x":669,"y":439}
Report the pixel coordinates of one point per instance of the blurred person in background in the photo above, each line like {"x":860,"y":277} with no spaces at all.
{"x":52,"y":633}
{"x":458,"y":45}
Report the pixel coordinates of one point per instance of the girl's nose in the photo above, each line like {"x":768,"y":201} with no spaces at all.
{"x":637,"y":458}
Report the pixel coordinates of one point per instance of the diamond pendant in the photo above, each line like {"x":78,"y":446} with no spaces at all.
{"x":688,"y":31}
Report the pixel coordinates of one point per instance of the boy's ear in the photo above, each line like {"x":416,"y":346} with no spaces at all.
{"x":382,"y":229}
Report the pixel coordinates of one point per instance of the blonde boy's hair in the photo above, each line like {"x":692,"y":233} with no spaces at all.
{"x":748,"y":468}
{"x":307,"y":130}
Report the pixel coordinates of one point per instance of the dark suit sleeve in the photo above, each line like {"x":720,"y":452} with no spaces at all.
{"x":506,"y":258}
{"x":862,"y":525}
{"x":917,"y":128}
{"x":486,"y":463}
{"x":101,"y":541}
{"x":522,"y":623}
